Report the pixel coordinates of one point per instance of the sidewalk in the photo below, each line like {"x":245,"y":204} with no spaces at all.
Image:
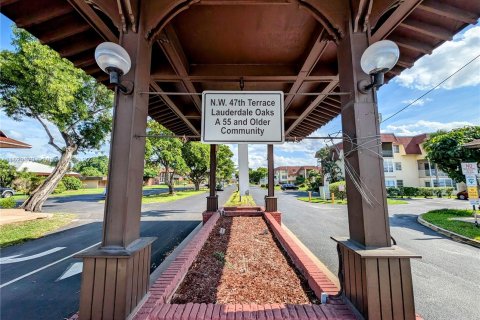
{"x":8,"y":216}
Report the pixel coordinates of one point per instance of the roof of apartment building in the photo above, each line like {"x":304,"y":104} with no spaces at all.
{"x":410,"y":143}
{"x":294,"y":170}
{"x":6,"y":142}
{"x":474,"y":144}
{"x":39,"y":168}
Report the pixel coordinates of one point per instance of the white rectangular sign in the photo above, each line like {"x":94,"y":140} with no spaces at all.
{"x":469,"y":168}
{"x":242,"y":117}
{"x":471,"y":180}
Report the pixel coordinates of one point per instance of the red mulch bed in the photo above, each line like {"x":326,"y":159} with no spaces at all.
{"x":243,"y":265}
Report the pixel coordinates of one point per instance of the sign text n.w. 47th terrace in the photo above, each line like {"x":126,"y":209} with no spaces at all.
{"x":242,"y":117}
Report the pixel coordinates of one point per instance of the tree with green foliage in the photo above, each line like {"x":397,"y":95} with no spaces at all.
{"x":165,"y":152}
{"x":256,"y":175}
{"x":315,"y":180}
{"x":37,"y":83}
{"x":446,"y":150}
{"x":329,"y":165}
{"x":225,"y":165}
{"x":197,"y":159}
{"x":150,"y":171}
{"x":7,"y":173}
{"x":92,"y":167}
{"x":72,"y":183}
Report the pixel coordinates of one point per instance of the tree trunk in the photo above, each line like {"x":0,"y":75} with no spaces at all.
{"x":36,"y":199}
{"x":197,"y":185}
{"x":171,"y":190}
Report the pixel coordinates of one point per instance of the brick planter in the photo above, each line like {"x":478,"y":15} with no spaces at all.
{"x":158,"y":304}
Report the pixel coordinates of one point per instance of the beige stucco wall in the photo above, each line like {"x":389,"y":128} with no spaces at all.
{"x":90,"y":184}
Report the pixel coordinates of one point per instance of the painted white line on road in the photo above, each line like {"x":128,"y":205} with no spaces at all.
{"x":73,"y":269}
{"x":14,"y":259}
{"x":47,"y":266}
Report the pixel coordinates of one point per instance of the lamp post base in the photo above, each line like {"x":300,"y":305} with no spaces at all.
{"x":271,"y":204}
{"x":114,"y":281}
{"x":378,"y":282}
{"x":212,"y":203}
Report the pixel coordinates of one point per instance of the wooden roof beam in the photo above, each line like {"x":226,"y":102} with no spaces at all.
{"x":427,"y":29}
{"x":172,"y":48}
{"x":313,"y":56}
{"x":448,"y":11}
{"x":331,"y":86}
{"x":41,"y":14}
{"x":411,"y":44}
{"x":67,"y":30}
{"x":93,"y":20}
{"x":174,"y":108}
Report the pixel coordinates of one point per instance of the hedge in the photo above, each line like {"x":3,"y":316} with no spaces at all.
{"x":334,"y":189}
{"x":8,"y":203}
{"x":400,"y":192}
{"x":72,"y":183}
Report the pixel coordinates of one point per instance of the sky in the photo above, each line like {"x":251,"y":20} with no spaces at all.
{"x":454,"y":104}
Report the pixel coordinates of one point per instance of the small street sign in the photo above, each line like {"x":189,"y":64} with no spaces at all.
{"x":471,"y":180}
{"x":469,"y":168}
{"x":472,"y":193}
{"x":242,"y":117}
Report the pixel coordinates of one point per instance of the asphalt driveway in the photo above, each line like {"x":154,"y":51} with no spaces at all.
{"x":446,"y":279}
{"x":41,"y":280}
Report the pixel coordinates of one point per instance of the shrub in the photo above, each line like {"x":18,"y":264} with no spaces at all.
{"x":334,"y":189}
{"x":72,"y":183}
{"x":26,"y":182}
{"x":410,"y":191}
{"x":393,"y":192}
{"x":60,"y":188}
{"x":449,"y":191}
{"x":264,"y":186}
{"x":8,"y":203}
{"x":425,"y":192}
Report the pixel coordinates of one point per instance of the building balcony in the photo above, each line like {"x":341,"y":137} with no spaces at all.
{"x":431,"y":173}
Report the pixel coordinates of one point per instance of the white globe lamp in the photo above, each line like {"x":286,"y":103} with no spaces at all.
{"x":114,"y":60}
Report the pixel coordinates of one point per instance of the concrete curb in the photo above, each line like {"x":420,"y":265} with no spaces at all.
{"x":454,"y":236}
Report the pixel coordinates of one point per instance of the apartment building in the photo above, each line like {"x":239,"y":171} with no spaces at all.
{"x":405,"y":163}
{"x":289,"y":174}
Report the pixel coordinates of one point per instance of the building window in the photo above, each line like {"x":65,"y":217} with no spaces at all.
{"x":389,"y":183}
{"x":387,"y":149}
{"x":445,"y":182}
{"x":398,"y":166}
{"x":396,"y":148}
{"x":427,"y":184}
{"x":387,"y":166}
{"x":400,"y":183}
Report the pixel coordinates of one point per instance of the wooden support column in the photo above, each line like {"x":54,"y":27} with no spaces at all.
{"x":270,"y":199}
{"x":115,"y":275}
{"x":375,"y":276}
{"x":212,"y":199}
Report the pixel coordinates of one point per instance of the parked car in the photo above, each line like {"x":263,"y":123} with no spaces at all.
{"x":6,"y":192}
{"x":462,"y":195}
{"x":288,"y":186}
{"x":219,"y":187}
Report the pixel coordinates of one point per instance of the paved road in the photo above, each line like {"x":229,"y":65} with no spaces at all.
{"x":42,"y":295}
{"x":446,"y":279}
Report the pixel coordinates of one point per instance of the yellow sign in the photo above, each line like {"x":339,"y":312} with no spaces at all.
{"x":472,"y":192}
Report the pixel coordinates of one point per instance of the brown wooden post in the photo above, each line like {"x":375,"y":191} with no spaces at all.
{"x":116,"y":275}
{"x":212,"y":199}
{"x":270,"y":199}
{"x":376,"y":276}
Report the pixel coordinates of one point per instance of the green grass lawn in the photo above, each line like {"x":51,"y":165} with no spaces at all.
{"x":338,"y":201}
{"x":165,"y":197}
{"x":234,"y":201}
{"x":443,"y":218}
{"x":19,"y":232}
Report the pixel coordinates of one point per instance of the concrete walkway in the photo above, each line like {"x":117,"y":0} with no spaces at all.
{"x":8,"y":216}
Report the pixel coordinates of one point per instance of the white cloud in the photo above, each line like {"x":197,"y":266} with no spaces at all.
{"x":423,"y":126}
{"x":444,"y":61}
{"x":419,"y":102}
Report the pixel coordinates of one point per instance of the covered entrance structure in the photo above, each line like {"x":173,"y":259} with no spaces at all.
{"x":309,"y":49}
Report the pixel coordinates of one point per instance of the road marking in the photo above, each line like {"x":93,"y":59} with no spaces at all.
{"x":72,"y":269}
{"x":47,"y":266}
{"x":14,"y":259}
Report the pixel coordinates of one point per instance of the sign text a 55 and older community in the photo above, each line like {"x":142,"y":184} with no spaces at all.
{"x":242,"y":117}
